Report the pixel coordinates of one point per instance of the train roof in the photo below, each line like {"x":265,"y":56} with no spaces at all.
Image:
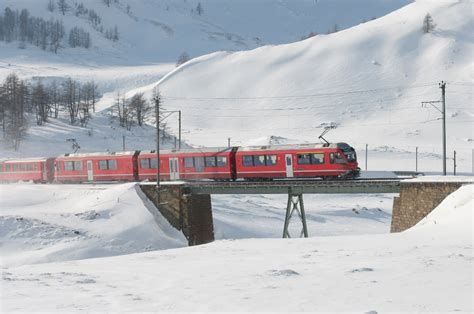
{"x":106,"y":154}
{"x":190,"y":150}
{"x":293,"y":146}
{"x":27,"y":159}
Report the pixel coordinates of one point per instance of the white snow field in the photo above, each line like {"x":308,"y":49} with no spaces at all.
{"x":425,"y":269}
{"x":370,"y":80}
{"x":48,"y":223}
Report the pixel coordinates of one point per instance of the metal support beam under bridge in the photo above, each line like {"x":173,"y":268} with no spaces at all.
{"x":294,"y":189}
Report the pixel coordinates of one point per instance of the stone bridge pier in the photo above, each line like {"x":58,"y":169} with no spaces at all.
{"x":189,"y":213}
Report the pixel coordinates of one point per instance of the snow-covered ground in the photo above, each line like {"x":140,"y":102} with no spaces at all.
{"x":47,"y":223}
{"x":44,"y":223}
{"x":425,"y":269}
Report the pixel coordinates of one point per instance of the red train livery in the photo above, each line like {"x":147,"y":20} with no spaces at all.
{"x":28,"y":169}
{"x":336,"y":160}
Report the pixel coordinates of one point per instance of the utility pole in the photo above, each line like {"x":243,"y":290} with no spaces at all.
{"x":416,"y":160}
{"x":157,"y":100}
{"x":442,"y":85}
{"x":366,"y":155}
{"x":454,"y":172}
{"x":179,"y":138}
{"x":228,"y":142}
{"x":123,"y":142}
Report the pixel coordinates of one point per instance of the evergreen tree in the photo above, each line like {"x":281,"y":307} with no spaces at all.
{"x":428,"y":24}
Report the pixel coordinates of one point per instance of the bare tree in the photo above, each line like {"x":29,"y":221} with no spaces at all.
{"x":199,"y":9}
{"x":69,"y":99}
{"x":14,"y":98}
{"x":428,"y":24}
{"x":183,"y":58}
{"x":40,"y":102}
{"x":54,"y":97}
{"x":140,"y":107}
{"x":51,"y":6}
{"x":63,"y":6}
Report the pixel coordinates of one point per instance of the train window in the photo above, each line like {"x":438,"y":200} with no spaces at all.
{"x":103,"y":164}
{"x":77,"y":165}
{"x":1,"y":168}
{"x":34,"y":167}
{"x":221,"y":161}
{"x":271,"y":160}
{"x":199,"y":163}
{"x":154,"y":163}
{"x":317,"y":159}
{"x":112,"y":164}
{"x":29,"y":167}
{"x":331,"y":158}
{"x":189,"y":162}
{"x":68,"y":166}
{"x":340,"y":159}
{"x":304,"y":159}
{"x":351,"y":157}
{"x":210,"y":161}
{"x":8,"y":167}
{"x":145,"y":163}
{"x":259,"y":160}
{"x":247,"y":161}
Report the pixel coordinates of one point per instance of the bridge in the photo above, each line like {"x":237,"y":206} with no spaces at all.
{"x":187,"y":204}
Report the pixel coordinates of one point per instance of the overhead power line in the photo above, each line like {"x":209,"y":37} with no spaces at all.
{"x":298,"y":96}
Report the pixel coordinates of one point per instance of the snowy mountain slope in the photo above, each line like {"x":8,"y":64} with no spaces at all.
{"x":152,"y":36}
{"x":404,"y":272}
{"x":369,"y":79}
{"x":159,"y":31}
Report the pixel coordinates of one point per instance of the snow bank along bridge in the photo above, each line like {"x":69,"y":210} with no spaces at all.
{"x":187,"y":205}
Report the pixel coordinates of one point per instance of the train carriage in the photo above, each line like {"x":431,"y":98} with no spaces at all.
{"x":28,"y":169}
{"x":115,"y":166}
{"x":189,"y":164}
{"x":296,"y":161}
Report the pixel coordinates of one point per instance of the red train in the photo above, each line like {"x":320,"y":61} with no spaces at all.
{"x":337,"y":160}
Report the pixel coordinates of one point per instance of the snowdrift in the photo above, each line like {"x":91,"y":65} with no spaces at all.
{"x":68,"y":222}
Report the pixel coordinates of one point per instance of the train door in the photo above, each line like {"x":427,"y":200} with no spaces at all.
{"x":174,"y":169}
{"x":289,"y":165}
{"x":90,"y":171}
{"x":44,"y":170}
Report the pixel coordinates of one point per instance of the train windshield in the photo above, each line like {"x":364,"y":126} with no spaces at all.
{"x":351,"y":157}
{"x":348,"y":151}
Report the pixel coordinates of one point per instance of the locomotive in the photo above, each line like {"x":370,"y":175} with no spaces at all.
{"x":321,"y":160}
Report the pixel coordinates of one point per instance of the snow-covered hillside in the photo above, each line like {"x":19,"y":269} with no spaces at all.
{"x":370,"y":80}
{"x":152,"y":36}
{"x":159,"y":31}
{"x":404,"y":272}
